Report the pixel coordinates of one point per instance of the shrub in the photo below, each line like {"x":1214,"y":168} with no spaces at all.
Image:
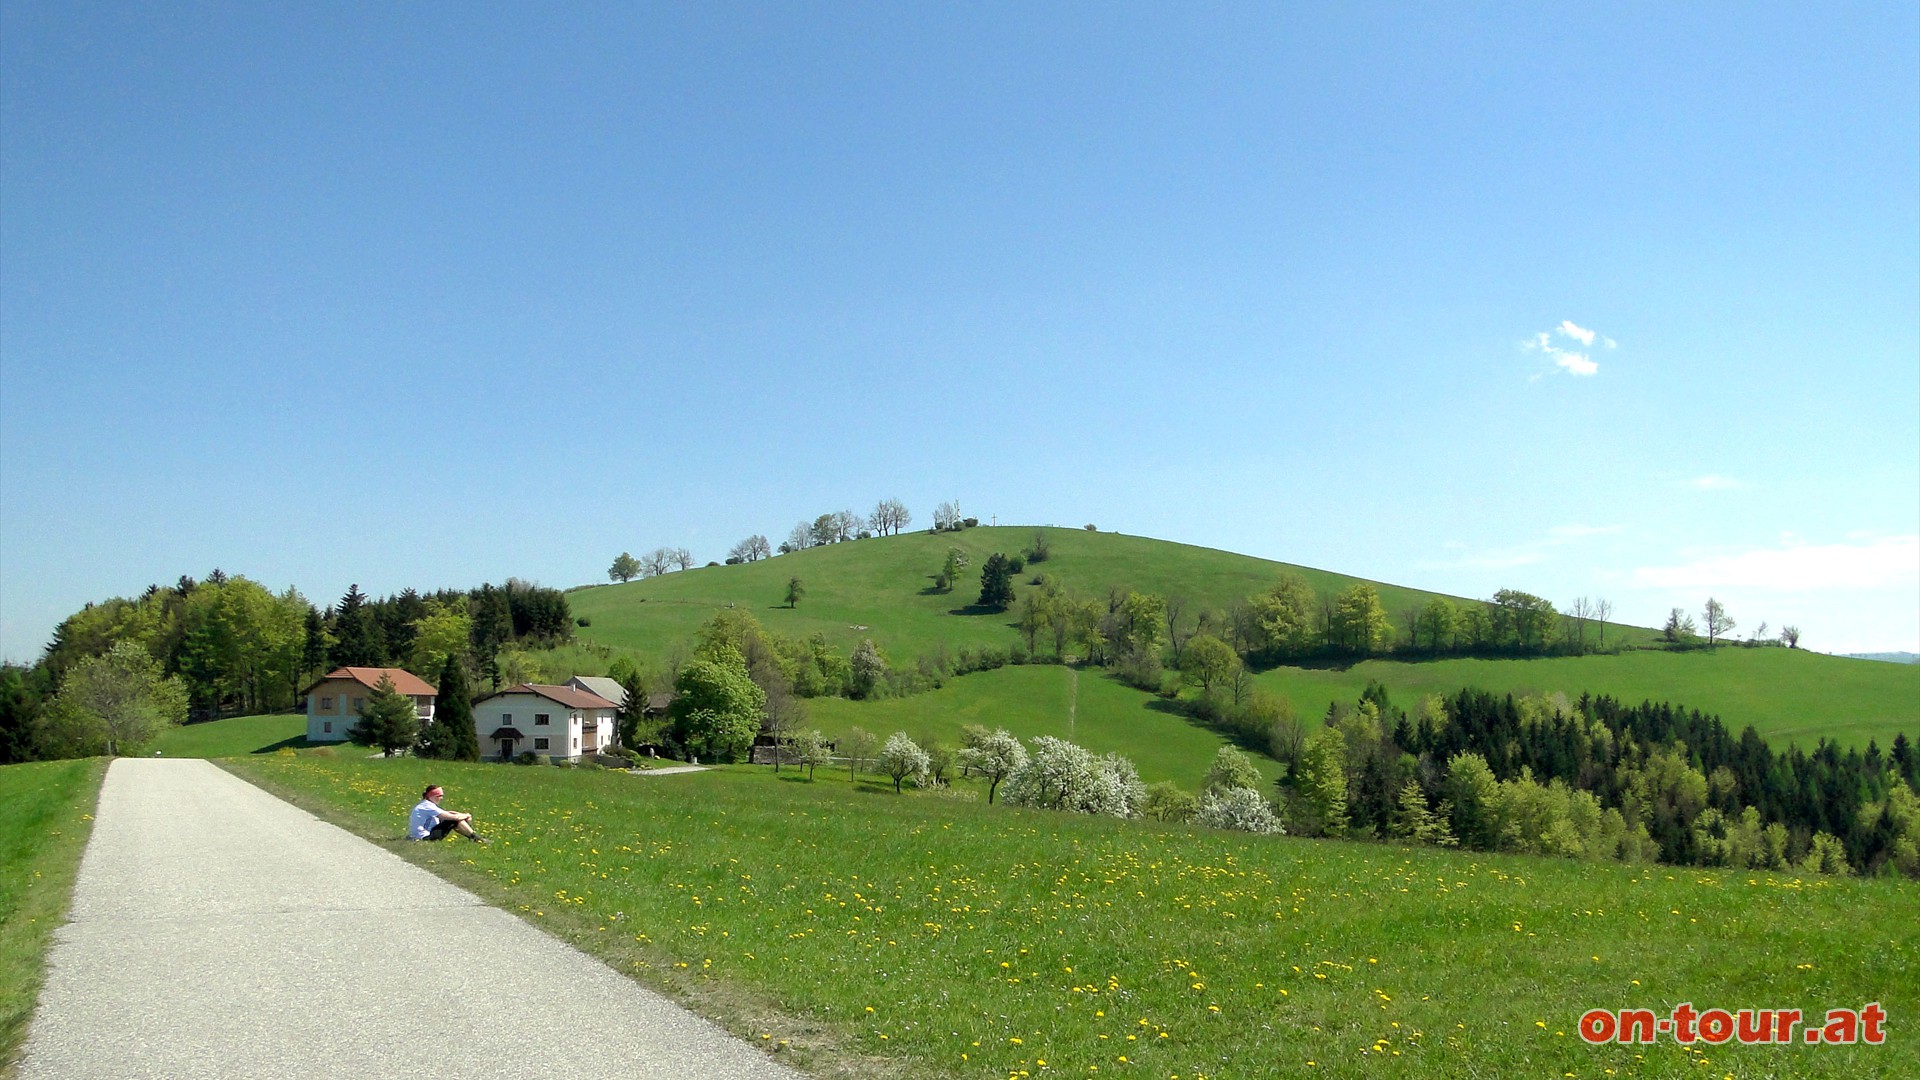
{"x":1237,"y":808}
{"x":1167,"y":801}
{"x":1040,"y":551}
{"x":1016,"y":564}
{"x":583,"y":620}
{"x":526,"y":757}
{"x":1092,"y":528}
{"x":1232,"y":769}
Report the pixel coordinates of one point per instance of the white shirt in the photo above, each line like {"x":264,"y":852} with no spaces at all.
{"x":424,"y":818}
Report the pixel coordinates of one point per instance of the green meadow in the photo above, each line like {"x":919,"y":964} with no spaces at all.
{"x":862,"y":934}
{"x":234,"y":735}
{"x":1084,"y":706}
{"x":46,"y":815}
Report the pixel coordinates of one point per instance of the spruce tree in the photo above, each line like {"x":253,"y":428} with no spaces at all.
{"x":451,"y":735}
{"x":387,"y":720}
{"x":358,"y":638}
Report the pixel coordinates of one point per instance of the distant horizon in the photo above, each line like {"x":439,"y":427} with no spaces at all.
{"x":325,"y":601}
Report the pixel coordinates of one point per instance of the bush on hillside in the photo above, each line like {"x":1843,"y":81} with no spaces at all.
{"x":1236,"y":808}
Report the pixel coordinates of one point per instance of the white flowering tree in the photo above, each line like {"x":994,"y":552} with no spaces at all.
{"x":903,"y":759}
{"x":995,"y":757}
{"x":1238,"y":808}
{"x":1059,"y":775}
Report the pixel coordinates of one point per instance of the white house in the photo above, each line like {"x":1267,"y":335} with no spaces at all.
{"x":334,"y":703}
{"x":559,"y":722}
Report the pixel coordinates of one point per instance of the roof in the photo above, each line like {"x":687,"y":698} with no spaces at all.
{"x":659,"y":700}
{"x":404,"y":681}
{"x":601,"y":685}
{"x":563,"y":695}
{"x":507,"y":733}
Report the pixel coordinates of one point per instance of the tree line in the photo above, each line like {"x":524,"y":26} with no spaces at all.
{"x":228,"y":645}
{"x":1597,"y":778}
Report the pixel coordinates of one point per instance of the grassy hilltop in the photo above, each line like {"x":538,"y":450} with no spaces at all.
{"x":883,"y":588}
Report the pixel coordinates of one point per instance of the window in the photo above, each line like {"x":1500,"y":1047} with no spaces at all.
{"x":576,"y":744}
{"x":326,"y":703}
{"x":539,"y":744}
{"x":506,"y":718}
{"x":326,"y":727}
{"x":541,"y":719}
{"x":359,"y":704}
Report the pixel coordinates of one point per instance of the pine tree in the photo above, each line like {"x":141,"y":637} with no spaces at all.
{"x":451,"y":735}
{"x":359,"y":641}
{"x":387,"y":720}
{"x":996,"y":582}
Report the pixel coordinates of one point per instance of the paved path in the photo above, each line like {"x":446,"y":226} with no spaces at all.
{"x":220,"y":932}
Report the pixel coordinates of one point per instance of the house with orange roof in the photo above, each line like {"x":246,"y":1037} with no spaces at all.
{"x":558,"y":722}
{"x":334,"y":703}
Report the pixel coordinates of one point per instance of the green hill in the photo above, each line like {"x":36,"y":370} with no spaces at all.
{"x":883,"y":588}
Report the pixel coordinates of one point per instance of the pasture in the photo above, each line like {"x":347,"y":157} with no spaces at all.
{"x":866,"y":934}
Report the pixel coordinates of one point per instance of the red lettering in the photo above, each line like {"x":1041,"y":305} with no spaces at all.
{"x":1843,"y":1026}
{"x":1784,"y":1022}
{"x":1598,"y":1026}
{"x":1716,"y":1025}
{"x":1755,"y":1025}
{"x":1636,"y":1026}
{"x":1683,"y":1018}
{"x":1871,"y":1017}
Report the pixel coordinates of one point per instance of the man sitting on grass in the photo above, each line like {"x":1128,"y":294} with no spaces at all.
{"x":429,"y":822}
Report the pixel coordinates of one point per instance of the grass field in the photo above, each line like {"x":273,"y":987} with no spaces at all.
{"x":46,"y":815}
{"x":1788,"y":695}
{"x":1088,"y":707}
{"x":234,"y":735}
{"x":866,"y":934}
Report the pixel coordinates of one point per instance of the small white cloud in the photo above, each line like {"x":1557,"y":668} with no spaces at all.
{"x":1574,"y":363}
{"x":1874,"y":564}
{"x":1578,"y":333}
{"x":1715,"y":482}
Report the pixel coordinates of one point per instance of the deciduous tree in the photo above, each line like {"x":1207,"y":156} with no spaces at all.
{"x":1716,"y":621}
{"x":114,"y":702}
{"x":903,"y":759}
{"x":625,"y":568}
{"x":717,"y":708}
{"x":1208,"y":663}
{"x":995,"y":757}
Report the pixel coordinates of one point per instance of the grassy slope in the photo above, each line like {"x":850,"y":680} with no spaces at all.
{"x":1787,"y":695}
{"x":1085,"y":707}
{"x":234,"y":735}
{"x":878,"y":584}
{"x":45,"y":819}
{"x":883,"y":584}
{"x":921,"y":937}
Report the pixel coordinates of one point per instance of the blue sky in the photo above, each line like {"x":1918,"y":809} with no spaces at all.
{"x":433,"y":295}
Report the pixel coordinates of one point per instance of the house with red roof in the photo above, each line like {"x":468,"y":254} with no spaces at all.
{"x":558,"y":722}
{"x":334,"y":703}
